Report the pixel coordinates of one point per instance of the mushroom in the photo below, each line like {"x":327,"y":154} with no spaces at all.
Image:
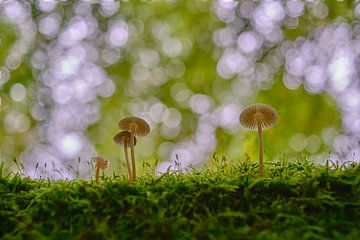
{"x":259,"y":117}
{"x":137,"y":127}
{"x":123,"y":139}
{"x":100,"y":163}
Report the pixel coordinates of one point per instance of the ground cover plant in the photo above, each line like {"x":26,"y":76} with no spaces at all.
{"x":294,"y":200}
{"x":70,"y":70}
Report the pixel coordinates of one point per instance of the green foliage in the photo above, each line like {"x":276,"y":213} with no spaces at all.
{"x":296,"y":200}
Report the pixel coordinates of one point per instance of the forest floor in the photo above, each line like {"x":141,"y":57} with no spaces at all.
{"x":298,"y":200}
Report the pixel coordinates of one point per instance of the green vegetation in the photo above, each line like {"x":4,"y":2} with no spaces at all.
{"x":172,"y":57}
{"x":297,"y":200}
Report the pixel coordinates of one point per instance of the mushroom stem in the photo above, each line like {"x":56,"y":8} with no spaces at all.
{"x":132,"y":133}
{"x":261,"y":163}
{"x":97,"y":174}
{"x":127,"y":159}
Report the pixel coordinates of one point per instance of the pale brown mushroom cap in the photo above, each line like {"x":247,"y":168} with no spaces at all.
{"x":123,"y":136}
{"x":256,"y":114}
{"x":101,"y":163}
{"x":142,"y":128}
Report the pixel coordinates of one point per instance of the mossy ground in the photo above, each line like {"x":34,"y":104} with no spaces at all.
{"x":296,"y":200}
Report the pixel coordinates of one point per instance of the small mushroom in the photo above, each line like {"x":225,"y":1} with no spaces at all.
{"x":259,"y":117}
{"x":137,"y":127}
{"x":123,"y":139}
{"x":100,"y":163}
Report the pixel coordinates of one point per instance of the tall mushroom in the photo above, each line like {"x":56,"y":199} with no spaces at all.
{"x":137,"y":127}
{"x":259,"y":117}
{"x":123,"y":139}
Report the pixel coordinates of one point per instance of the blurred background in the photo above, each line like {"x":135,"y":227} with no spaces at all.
{"x":70,"y":70}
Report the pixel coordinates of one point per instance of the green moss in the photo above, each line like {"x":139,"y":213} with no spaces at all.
{"x":296,"y":200}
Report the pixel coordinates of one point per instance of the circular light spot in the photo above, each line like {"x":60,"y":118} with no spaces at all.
{"x":22,"y":123}
{"x":149,"y":58}
{"x":173,"y":119}
{"x":109,"y":8}
{"x":13,"y":61}
{"x":118,"y":34}
{"x":248,"y":42}
{"x":200,"y":103}
{"x":172,"y":47}
{"x":320,"y":10}
{"x":46,"y":5}
{"x":298,"y":142}
{"x":313,"y":144}
{"x":18,"y":92}
{"x":70,"y":145}
{"x":49,"y":25}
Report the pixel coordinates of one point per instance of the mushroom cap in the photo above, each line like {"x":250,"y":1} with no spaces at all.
{"x":101,"y":162}
{"x":142,"y":127}
{"x":120,"y":138}
{"x":258,"y":114}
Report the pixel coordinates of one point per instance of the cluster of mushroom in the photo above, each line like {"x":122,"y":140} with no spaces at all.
{"x":257,"y":117}
{"x":131,"y":127}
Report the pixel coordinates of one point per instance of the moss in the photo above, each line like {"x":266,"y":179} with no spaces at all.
{"x":296,"y":200}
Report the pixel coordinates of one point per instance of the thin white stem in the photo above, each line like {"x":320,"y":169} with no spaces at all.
{"x":132,"y":133}
{"x":261,"y":163}
{"x":97,"y":174}
{"x":127,"y":159}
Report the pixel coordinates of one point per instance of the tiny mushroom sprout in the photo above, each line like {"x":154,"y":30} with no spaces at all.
{"x":259,"y":117}
{"x":100,"y":163}
{"x":123,"y":139}
{"x":137,"y":127}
